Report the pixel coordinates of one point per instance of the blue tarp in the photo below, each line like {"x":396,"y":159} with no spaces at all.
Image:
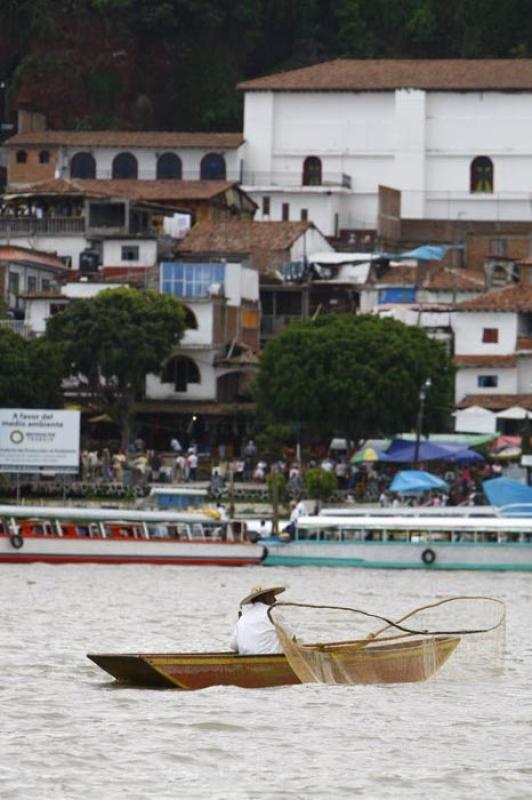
{"x":413,"y":481}
{"x":404,"y":452}
{"x":425,"y":252}
{"x":506,"y":492}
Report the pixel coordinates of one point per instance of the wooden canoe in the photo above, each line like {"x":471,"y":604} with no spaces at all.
{"x":400,"y":662}
{"x":197,"y":670}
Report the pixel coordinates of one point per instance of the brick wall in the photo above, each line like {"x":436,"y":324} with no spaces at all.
{"x":32,"y":171}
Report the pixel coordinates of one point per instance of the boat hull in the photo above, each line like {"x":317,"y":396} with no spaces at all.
{"x":79,"y":550}
{"x":431,"y":555}
{"x":188,"y":671}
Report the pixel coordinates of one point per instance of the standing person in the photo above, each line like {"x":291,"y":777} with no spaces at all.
{"x":107,"y":473}
{"x":119,"y":462}
{"x":254,"y":634}
{"x":192,"y":461}
{"x":250,"y":456}
{"x":180,"y":468}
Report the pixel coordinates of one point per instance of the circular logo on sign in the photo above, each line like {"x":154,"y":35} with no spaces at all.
{"x":17,"y":437}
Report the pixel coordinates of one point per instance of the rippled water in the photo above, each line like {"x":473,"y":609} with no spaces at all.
{"x":68,"y":732}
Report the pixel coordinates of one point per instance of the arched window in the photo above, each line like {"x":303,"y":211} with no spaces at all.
{"x":212,"y":167}
{"x":481,"y":177}
{"x":169,"y":167}
{"x":190,"y":319}
{"x":83,"y":166}
{"x":312,"y":171}
{"x":22,"y":156}
{"x":125,"y":166}
{"x":44,"y":157}
{"x":181,"y":371}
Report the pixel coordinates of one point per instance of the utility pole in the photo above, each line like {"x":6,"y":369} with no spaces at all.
{"x":419,"y":420}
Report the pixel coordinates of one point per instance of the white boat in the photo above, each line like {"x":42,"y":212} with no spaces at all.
{"x":62,"y":534}
{"x":407,"y":542}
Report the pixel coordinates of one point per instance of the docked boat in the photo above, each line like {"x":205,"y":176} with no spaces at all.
{"x":61,"y":535}
{"x":407,"y":542}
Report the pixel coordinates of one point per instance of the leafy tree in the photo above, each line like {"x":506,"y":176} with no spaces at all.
{"x":319,"y":483}
{"x":353,"y":376}
{"x":31,"y":372}
{"x":114,"y":340}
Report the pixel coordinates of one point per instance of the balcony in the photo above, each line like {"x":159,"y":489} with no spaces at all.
{"x":329,"y":180}
{"x":271,"y":325}
{"x":33,"y":226}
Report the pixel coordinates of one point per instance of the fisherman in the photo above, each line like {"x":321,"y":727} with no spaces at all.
{"x":254,"y":633}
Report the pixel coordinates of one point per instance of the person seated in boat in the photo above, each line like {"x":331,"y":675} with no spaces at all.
{"x":254,"y":634}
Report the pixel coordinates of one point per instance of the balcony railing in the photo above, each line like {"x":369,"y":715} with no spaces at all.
{"x":33,"y":226}
{"x":334,"y":180}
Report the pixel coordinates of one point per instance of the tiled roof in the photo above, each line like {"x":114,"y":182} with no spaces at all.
{"x":23,"y":254}
{"x":390,"y":74}
{"x":148,"y":191}
{"x":242,"y":236}
{"x":496,"y":402}
{"x":434,"y":277}
{"x":486,"y":361}
{"x":129,"y":139}
{"x":517,"y":297}
{"x":447,"y":278}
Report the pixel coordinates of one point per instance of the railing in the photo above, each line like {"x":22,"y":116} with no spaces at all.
{"x":32,"y":226}
{"x":151,"y":175}
{"x":295,"y":179}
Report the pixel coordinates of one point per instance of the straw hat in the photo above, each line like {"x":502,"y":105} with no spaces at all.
{"x":257,"y":591}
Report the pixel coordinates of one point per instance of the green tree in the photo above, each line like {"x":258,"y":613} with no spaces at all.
{"x":31,"y":372}
{"x":114,"y":341}
{"x":353,"y":376}
{"x":319,"y":483}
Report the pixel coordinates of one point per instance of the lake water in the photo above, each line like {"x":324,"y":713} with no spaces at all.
{"x":67,"y":732}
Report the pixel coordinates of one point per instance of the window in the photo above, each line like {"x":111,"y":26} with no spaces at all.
{"x":13,"y":283}
{"x":488,"y":381}
{"x":83,"y":166}
{"x":265,"y":206}
{"x":490,"y":335}
{"x":286,"y":212}
{"x":45,"y":284}
{"x":481,"y":177}
{"x":67,"y":261}
{"x":312,"y":171}
{"x":21,"y":156}
{"x":44,"y":157}
{"x":498,"y":247}
{"x":191,"y":280}
{"x":32,"y":283}
{"x":212,"y":167}
{"x":250,"y":319}
{"x":169,"y":167}
{"x":130,"y":252}
{"x":304,"y":215}
{"x":190,"y":319}
{"x":181,"y":371}
{"x":125,"y":166}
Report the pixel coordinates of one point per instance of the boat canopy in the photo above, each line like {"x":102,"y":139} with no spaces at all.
{"x":512,"y":497}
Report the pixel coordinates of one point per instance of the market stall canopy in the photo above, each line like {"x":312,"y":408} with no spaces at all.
{"x":401,"y":451}
{"x":512,"y":497}
{"x":367,"y":454}
{"x":414,"y":481}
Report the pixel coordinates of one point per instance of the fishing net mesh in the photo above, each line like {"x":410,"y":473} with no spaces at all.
{"x":462,"y":636}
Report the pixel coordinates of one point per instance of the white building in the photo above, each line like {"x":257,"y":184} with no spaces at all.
{"x":454,"y":136}
{"x":493,"y":356}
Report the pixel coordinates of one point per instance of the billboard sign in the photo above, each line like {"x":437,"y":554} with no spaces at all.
{"x":37,"y":440}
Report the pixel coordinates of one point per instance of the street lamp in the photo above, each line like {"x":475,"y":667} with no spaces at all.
{"x":419,"y":421}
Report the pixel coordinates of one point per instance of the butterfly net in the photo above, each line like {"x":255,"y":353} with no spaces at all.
{"x":462,"y":636}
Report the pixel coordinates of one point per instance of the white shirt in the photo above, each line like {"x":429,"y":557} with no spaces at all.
{"x":254,"y":634}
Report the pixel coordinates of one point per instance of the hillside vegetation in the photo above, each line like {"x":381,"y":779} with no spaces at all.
{"x":174,"y":64}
